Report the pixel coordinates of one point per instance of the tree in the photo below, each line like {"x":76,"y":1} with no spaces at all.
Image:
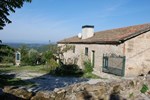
{"x":6,"y":54}
{"x":7,"y":6}
{"x":24,"y":55}
{"x":48,"y":55}
{"x":33,"y":57}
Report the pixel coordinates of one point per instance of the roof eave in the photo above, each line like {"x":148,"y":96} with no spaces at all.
{"x":134,"y":35}
{"x":95,"y":42}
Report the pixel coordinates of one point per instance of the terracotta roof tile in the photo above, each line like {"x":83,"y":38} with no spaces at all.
{"x":111,"y":36}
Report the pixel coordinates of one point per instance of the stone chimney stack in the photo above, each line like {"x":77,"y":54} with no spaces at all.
{"x":87,"y":31}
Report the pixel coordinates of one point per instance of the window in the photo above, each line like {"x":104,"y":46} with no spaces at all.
{"x":18,"y":58}
{"x":86,"y":51}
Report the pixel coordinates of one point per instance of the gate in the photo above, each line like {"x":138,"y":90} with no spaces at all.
{"x":114,"y":64}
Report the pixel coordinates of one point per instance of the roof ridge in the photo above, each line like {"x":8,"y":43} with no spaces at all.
{"x":123,"y":27}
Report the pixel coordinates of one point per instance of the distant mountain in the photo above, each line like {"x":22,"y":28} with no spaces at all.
{"x":29,"y":45}
{"x":39,"y":47}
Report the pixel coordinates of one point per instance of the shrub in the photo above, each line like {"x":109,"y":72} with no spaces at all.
{"x":68,"y":70}
{"x":8,"y":59}
{"x":144,"y":88}
{"x":88,"y":68}
{"x":52,"y":65}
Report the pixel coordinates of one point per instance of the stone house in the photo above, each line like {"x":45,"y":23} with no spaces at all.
{"x":122,"y":51}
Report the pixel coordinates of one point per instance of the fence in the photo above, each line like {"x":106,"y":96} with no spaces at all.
{"x":114,"y":64}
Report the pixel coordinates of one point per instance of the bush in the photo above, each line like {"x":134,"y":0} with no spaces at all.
{"x":88,"y":68}
{"x":8,"y":60}
{"x":52,"y":65}
{"x":68,"y":70}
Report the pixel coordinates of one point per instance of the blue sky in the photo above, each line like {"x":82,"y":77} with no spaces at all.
{"x":53,"y":20}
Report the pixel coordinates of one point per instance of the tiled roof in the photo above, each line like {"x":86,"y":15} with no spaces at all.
{"x":113,"y":36}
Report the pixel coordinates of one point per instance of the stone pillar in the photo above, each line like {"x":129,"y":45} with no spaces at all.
{"x":17,"y":58}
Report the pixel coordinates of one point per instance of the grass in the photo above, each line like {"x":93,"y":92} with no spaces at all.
{"x":39,"y":69}
{"x":90,"y":75}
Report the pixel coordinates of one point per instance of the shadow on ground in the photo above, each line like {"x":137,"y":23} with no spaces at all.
{"x":49,"y":83}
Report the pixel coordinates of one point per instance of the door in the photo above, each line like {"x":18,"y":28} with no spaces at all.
{"x":93,"y":58}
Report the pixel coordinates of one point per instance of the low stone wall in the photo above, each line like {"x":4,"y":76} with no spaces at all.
{"x":115,"y":90}
{"x":121,"y":90}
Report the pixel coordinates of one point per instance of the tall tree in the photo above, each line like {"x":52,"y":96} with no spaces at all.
{"x":7,"y":6}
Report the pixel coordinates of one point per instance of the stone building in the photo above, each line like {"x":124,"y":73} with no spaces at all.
{"x":122,"y":51}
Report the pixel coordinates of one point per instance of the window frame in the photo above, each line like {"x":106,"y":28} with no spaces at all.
{"x":86,"y":51}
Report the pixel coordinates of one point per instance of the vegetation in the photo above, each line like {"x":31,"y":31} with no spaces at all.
{"x":74,"y":70}
{"x":90,"y":75}
{"x":39,"y":69}
{"x":7,"y":6}
{"x":144,"y":88}
{"x":44,"y":48}
{"x":67,"y":70}
{"x":88,"y":69}
{"x":33,"y":56}
{"x":6,"y":54}
{"x":51,"y":65}
{"x":29,"y":56}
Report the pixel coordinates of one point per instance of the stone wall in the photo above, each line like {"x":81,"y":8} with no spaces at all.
{"x":99,"y":51}
{"x":115,"y":90}
{"x":138,"y":55}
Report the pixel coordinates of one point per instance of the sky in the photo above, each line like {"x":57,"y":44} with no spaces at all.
{"x":44,"y":21}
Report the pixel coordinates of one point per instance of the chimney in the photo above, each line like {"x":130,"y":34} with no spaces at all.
{"x":87,"y":31}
